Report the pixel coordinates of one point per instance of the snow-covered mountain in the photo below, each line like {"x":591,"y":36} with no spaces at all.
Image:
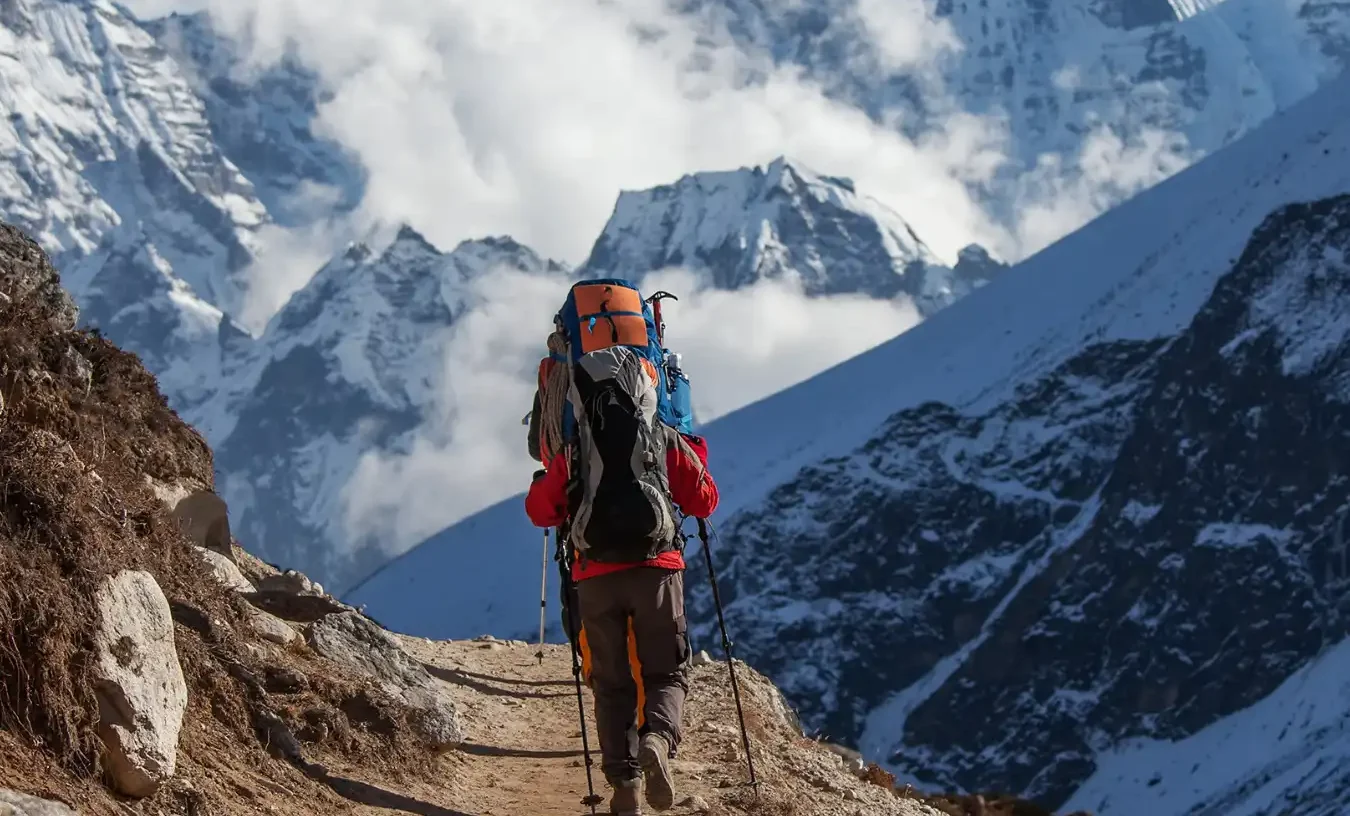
{"x":102,"y":131}
{"x":782,"y":221}
{"x":1115,"y":92}
{"x":1095,"y":521}
{"x":354,"y":364}
{"x":351,"y":366}
{"x":263,"y":118}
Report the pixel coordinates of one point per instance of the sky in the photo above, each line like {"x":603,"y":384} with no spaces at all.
{"x":528,"y":117}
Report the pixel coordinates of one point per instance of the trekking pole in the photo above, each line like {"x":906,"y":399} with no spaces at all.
{"x":568,"y":587}
{"x":726,"y":647}
{"x":543,"y":598}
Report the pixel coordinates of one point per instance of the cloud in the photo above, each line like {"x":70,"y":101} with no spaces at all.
{"x":738,"y":347}
{"x":1058,"y":196}
{"x":906,"y":35}
{"x":528,"y":117}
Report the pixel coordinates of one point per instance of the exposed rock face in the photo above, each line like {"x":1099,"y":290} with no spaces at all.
{"x":141,"y":691}
{"x":29,"y":274}
{"x":224,"y":570}
{"x":13,"y":803}
{"x":205,"y":519}
{"x":272,"y":629}
{"x":356,"y":642}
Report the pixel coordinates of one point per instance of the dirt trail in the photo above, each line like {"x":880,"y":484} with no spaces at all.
{"x":523,"y":755}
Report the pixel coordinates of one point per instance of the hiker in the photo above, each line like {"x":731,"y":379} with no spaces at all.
{"x":633,"y":586}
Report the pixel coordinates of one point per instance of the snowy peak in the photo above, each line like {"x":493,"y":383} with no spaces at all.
{"x":103,"y":128}
{"x":782,"y":221}
{"x":352,"y":366}
{"x":263,"y":119}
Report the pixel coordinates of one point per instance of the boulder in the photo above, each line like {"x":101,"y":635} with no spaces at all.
{"x":13,"y":803}
{"x":224,"y":570}
{"x":298,"y":608}
{"x":271,"y":628}
{"x":29,"y":276}
{"x":205,"y":520}
{"x":355,"y":642}
{"x":139,"y":683}
{"x":296,"y":583}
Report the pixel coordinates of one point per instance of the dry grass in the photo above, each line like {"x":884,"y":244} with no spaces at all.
{"x":82,"y":426}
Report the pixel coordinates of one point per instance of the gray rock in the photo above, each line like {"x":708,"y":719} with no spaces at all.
{"x":139,"y":684}
{"x":26,"y":273}
{"x":272,"y":629}
{"x":13,"y":803}
{"x":285,"y":680}
{"x":296,"y":583}
{"x":224,"y":570}
{"x":702,"y":659}
{"x":292,"y":607}
{"x":357,"y":643}
{"x":205,"y":520}
{"x":842,"y":751}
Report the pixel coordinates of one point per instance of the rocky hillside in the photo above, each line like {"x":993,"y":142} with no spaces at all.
{"x":153,"y":666}
{"x":148,"y":655}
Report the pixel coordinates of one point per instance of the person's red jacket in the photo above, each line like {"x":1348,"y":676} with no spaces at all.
{"x":691,"y":487}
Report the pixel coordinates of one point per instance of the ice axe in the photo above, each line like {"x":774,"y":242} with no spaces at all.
{"x":655,"y":301}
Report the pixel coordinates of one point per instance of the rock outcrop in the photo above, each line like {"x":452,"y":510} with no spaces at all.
{"x":13,"y":803}
{"x":354,"y":641}
{"x":140,"y":686}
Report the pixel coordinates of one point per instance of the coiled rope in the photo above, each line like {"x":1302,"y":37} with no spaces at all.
{"x":554,"y":395}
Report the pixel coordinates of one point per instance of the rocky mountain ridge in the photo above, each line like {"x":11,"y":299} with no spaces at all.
{"x":1133,"y":545}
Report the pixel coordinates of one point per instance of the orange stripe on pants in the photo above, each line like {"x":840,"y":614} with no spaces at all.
{"x":632,"y":661}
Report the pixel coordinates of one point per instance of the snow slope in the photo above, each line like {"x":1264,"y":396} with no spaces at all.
{"x":103,"y":129}
{"x":263,"y":118}
{"x":1297,"y":739}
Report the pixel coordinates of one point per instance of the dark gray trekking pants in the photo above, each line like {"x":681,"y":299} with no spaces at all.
{"x":654,"y":599}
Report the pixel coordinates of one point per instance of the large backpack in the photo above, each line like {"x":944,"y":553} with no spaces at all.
{"x":601,"y":313}
{"x":624,"y":397}
{"x":618,"y":496}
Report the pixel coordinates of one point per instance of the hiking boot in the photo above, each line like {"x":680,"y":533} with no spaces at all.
{"x":625,"y":801}
{"x":654,"y":757}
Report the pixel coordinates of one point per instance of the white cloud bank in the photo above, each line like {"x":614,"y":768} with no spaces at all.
{"x":528,"y":117}
{"x":737,"y":347}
